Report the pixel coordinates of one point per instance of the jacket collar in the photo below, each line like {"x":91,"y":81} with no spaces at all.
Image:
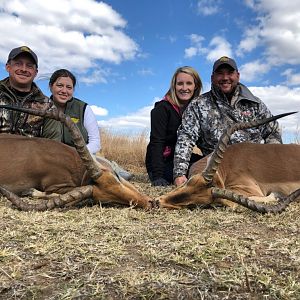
{"x":35,"y":91}
{"x":241,"y":93}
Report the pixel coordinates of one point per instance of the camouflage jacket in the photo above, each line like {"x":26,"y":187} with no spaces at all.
{"x":22,"y":123}
{"x":210,"y":114}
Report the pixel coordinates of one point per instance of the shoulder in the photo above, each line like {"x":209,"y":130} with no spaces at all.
{"x":202,"y":98}
{"x":79,"y":102}
{"x":201,"y":101}
{"x":38,"y":95}
{"x":245,"y":93}
{"x":4,"y":82}
{"x":3,"y":85}
{"x":161,"y":105}
{"x":76,"y":104}
{"x":88,"y":111}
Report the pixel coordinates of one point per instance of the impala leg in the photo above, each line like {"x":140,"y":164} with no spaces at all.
{"x":74,"y":196}
{"x":78,"y":203}
{"x":273,"y":197}
{"x":33,"y":193}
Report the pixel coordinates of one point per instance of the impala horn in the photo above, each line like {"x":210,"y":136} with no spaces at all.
{"x":222,"y":145}
{"x":253,"y":205}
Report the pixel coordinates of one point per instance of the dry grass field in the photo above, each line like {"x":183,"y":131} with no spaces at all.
{"x":113,"y":252}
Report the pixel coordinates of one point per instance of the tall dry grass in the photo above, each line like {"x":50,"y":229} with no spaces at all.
{"x":128,"y":151}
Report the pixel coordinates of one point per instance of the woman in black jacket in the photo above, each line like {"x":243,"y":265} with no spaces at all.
{"x":165,"y":120}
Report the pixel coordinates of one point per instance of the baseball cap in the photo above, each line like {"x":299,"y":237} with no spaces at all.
{"x":23,"y":49}
{"x":224,"y":60}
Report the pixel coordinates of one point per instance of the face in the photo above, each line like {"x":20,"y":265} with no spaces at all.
{"x":184,"y":87}
{"x":22,"y":71}
{"x":226,"y":79}
{"x":62,"y":90}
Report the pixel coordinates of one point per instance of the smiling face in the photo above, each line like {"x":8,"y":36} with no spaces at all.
{"x":22,"y":71}
{"x":62,"y":90}
{"x":185,"y":87}
{"x":226,"y":79}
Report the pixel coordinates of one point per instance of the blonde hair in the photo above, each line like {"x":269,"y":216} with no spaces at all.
{"x":198,"y":84}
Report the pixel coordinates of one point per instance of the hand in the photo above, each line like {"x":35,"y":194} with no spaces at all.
{"x":180,"y":180}
{"x":160,"y":182}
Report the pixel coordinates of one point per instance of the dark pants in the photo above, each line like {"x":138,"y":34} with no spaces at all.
{"x":169,"y":166}
{"x":168,"y":172}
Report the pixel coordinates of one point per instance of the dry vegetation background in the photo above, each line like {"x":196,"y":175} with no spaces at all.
{"x":128,"y":152}
{"x":125,"y":253}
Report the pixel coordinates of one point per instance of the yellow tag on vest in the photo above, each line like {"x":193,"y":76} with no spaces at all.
{"x":75,"y":120}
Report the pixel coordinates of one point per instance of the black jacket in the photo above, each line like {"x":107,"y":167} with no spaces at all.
{"x":165,"y":121}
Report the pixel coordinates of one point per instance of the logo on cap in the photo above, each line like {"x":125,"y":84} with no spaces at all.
{"x":25,"y":49}
{"x":224,"y":59}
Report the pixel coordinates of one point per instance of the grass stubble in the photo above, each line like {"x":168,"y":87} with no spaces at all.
{"x":111,"y":252}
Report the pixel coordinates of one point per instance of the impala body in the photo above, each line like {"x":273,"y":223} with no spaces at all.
{"x":244,"y":173}
{"x":251,"y":170}
{"x":61,"y":174}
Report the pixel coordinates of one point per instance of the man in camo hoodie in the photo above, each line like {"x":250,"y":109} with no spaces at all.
{"x":210,"y":114}
{"x":19,"y":90}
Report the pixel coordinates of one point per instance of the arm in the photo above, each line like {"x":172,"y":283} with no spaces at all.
{"x":187,"y":136}
{"x":159,"y":123}
{"x":270,"y":131}
{"x":91,"y":125}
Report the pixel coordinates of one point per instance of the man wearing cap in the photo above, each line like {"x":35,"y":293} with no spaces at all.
{"x":208,"y":115}
{"x":19,"y":90}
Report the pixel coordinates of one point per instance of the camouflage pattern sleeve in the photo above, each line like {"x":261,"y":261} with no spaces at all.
{"x":270,"y":132}
{"x":187,"y":136}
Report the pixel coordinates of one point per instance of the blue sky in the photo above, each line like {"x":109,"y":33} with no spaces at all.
{"x":124,"y":52}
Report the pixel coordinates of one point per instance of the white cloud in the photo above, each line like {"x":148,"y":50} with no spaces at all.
{"x":60,"y":29}
{"x":145,"y":72}
{"x":250,"y":41}
{"x":196,"y":46}
{"x":96,"y":77}
{"x":218,"y":47}
{"x":190,"y":52}
{"x":208,"y":7}
{"x":196,"y":39}
{"x":281,"y":99}
{"x":99,"y":111}
{"x":291,"y":77}
{"x":253,"y":70}
{"x":250,"y":3}
{"x":139,"y":120}
{"x":278,"y":31}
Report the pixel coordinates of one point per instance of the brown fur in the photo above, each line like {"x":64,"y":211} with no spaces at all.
{"x":251,"y":170}
{"x":53,"y":167}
